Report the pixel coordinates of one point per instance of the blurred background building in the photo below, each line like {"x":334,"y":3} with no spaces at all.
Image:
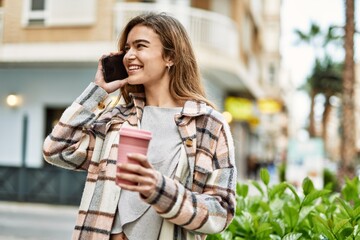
{"x":49,"y":51}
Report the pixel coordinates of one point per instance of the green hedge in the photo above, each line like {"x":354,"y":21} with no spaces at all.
{"x":281,"y":212}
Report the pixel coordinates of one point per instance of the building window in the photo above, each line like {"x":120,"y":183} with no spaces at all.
{"x":37,"y":5}
{"x":59,"y":13}
{"x":272,"y":74}
{"x":35,"y":12}
{"x":247,"y":34}
{"x":52,"y":116}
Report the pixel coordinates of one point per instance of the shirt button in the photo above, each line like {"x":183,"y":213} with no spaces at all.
{"x":189,"y":142}
{"x":101,"y":105}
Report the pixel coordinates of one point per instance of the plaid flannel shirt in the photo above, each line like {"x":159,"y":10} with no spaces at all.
{"x":199,"y":200}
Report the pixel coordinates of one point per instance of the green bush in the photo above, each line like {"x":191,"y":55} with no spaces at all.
{"x":281,"y":212}
{"x":330,"y":180}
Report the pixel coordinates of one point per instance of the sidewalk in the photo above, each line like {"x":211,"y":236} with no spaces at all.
{"x":32,"y":221}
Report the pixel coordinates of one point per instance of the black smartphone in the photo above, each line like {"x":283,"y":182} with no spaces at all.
{"x":113,"y":68}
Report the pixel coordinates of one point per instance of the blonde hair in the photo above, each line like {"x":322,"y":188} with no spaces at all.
{"x":185,"y":80}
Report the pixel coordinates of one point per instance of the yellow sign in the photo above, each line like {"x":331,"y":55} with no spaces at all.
{"x":241,"y":109}
{"x":269,"y":106}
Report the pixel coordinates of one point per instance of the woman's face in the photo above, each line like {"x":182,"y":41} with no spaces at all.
{"x":143,"y":60}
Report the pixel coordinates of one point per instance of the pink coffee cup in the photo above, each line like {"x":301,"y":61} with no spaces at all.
{"x":131,"y":140}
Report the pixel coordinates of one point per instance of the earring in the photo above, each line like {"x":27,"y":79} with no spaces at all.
{"x":168,"y":67}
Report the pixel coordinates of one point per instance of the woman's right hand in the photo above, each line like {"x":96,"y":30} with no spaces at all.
{"x":109,"y":87}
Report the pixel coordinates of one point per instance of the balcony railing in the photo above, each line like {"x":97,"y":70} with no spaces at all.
{"x":207,"y":29}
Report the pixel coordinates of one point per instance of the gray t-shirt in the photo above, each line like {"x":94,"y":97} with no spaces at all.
{"x":135,"y":217}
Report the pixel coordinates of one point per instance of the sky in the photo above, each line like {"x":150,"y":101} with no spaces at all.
{"x":298,"y":59}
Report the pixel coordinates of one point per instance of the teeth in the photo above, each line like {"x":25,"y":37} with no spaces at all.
{"x":134,"y":67}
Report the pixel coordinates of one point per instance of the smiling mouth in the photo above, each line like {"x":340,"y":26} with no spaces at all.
{"x":134,"y":68}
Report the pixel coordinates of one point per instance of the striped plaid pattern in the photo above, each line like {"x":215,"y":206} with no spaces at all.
{"x":199,"y":200}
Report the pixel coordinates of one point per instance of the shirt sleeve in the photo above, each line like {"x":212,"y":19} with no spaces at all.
{"x":71,"y":143}
{"x":210,"y":211}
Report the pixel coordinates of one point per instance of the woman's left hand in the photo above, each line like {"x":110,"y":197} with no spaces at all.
{"x":143,"y":175}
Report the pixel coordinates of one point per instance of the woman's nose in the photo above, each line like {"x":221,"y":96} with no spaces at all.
{"x":130,"y":55}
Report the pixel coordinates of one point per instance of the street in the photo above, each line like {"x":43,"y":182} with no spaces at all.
{"x":32,"y":221}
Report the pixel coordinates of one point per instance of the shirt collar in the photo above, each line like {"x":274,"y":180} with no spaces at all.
{"x":192,"y":108}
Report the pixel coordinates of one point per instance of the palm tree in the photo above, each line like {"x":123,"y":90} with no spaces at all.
{"x":324,"y":77}
{"x":348,"y":148}
{"x":312,"y":39}
{"x":327,"y":79}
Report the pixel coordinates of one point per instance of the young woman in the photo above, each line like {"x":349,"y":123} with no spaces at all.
{"x":185,"y":184}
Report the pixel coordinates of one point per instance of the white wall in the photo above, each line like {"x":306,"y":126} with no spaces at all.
{"x":215,"y":94}
{"x":39,"y":88}
{"x":221,"y":6}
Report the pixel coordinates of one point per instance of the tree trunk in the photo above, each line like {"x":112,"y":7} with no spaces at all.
{"x":348,"y":148}
{"x":312,"y":129}
{"x":325,"y":121}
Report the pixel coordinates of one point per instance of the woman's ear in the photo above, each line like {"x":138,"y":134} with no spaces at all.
{"x":169,"y":60}
{"x":169,"y":63}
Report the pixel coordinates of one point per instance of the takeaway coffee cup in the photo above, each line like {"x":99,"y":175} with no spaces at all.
{"x":131,"y":140}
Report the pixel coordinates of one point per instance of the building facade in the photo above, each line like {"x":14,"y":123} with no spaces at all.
{"x":49,"y":53}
